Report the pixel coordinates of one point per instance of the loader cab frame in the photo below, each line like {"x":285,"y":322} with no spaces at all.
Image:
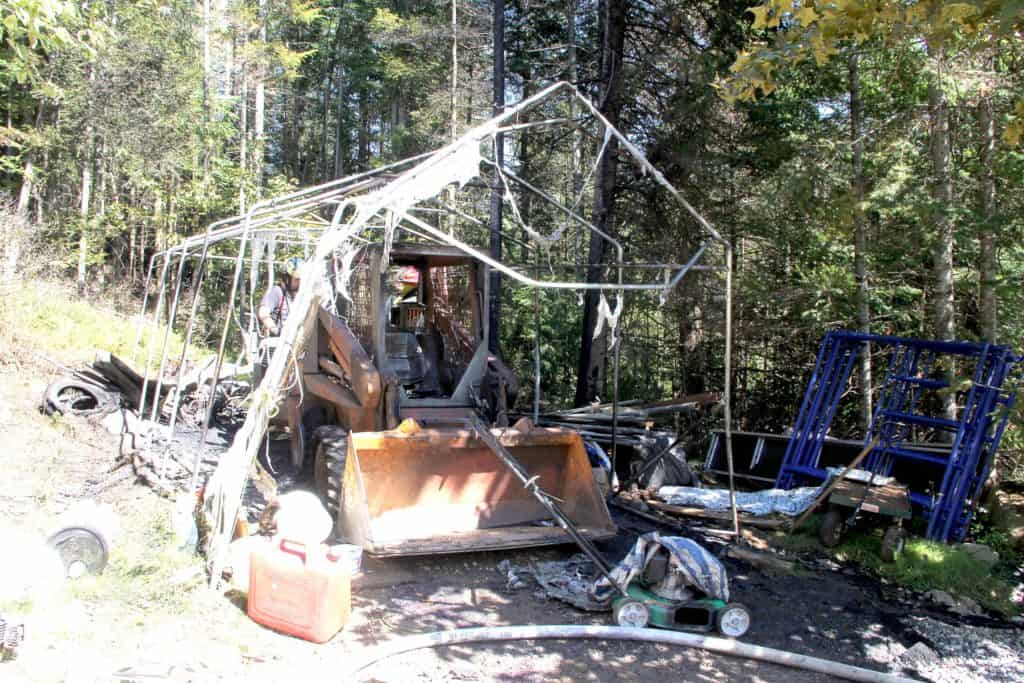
{"x":409,"y":341}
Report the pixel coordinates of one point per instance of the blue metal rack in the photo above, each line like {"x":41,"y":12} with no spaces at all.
{"x":916,"y":372}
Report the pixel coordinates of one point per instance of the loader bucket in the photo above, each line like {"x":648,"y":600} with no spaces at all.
{"x":442,"y":490}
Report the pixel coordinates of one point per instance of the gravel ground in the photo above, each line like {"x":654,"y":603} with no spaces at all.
{"x":967,"y":653}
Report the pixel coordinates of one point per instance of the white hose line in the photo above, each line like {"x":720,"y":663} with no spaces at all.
{"x":650,"y":635}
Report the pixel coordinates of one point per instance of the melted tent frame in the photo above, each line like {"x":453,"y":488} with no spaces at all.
{"x":373,"y":207}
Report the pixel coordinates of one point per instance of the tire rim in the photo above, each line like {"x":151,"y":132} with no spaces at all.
{"x":633,"y":614}
{"x":735,"y":622}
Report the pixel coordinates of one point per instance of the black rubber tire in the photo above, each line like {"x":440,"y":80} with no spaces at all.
{"x":69,"y":396}
{"x":892,"y":544}
{"x":831,"y":531}
{"x":331,"y":447}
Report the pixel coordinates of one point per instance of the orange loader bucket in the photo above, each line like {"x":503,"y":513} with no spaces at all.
{"x":413,"y":491}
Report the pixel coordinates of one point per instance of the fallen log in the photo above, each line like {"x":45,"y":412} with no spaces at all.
{"x":762,"y":560}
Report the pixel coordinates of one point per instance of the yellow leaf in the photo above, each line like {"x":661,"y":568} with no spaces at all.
{"x":1013,"y":133}
{"x":1019,"y":107}
{"x":917,"y":12}
{"x":957,"y":11}
{"x":742,"y":60}
{"x":821,"y":51}
{"x":807,"y":16}
{"x":889,"y":13}
{"x":760,"y":16}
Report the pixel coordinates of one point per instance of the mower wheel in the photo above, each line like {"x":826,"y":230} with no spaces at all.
{"x":892,"y":543}
{"x":831,"y":530}
{"x":329,"y":465}
{"x":631,"y":613}
{"x":733,"y":620}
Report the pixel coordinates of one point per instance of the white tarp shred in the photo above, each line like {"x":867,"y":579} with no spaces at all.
{"x":692,"y":569}
{"x":690,"y":566}
{"x":758,"y":503}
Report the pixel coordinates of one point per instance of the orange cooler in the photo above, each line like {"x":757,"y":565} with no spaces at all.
{"x":300,"y":590}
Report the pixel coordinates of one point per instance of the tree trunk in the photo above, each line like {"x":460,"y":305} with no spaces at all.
{"x":860,"y":236}
{"x":86,"y":194}
{"x":494,"y":320}
{"x":28,"y":173}
{"x":942,"y":197}
{"x":364,"y":129}
{"x":207,"y":69}
{"x":340,"y":151}
{"x":453,"y":105}
{"x":453,"y":101}
{"x":591,"y":365}
{"x":332,"y":72}
{"x":987,"y":266}
{"x":259,"y":116}
{"x":573,"y":76}
{"x":243,"y":128}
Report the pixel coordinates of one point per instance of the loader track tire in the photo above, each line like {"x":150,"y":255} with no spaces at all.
{"x":67,"y":396}
{"x":329,"y":465}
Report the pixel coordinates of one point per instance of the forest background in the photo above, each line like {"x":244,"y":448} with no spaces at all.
{"x":863,"y":157}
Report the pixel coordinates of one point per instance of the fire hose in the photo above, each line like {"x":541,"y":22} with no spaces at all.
{"x":723,"y":646}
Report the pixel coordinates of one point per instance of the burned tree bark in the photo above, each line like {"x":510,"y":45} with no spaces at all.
{"x":590,"y":369}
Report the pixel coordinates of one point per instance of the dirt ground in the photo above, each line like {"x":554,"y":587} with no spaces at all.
{"x":150,"y":616}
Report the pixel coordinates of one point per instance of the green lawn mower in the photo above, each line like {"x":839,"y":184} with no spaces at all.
{"x":639,"y":606}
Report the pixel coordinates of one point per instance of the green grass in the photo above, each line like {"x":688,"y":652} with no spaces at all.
{"x":145,"y":571}
{"x":924,"y":565}
{"x":52,"y":319}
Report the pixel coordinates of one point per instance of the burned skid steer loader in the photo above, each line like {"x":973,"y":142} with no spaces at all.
{"x":403,"y":412}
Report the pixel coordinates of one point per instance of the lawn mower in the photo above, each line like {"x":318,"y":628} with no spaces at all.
{"x":654,"y":597}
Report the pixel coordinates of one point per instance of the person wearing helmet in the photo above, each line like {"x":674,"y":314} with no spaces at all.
{"x":277,"y":302}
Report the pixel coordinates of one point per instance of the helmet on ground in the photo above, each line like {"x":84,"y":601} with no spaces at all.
{"x":292,"y":266}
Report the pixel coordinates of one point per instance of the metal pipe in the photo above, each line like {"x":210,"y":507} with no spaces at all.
{"x":152,"y":334}
{"x":558,"y":205}
{"x":726,"y":393}
{"x":142,"y":318}
{"x":223,"y":342}
{"x":190,"y":326}
{"x":515,"y":275}
{"x":167,"y":338}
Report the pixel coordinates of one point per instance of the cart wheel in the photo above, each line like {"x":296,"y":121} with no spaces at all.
{"x":892,"y":543}
{"x":733,"y":620}
{"x":631,"y":614}
{"x":831,"y":528}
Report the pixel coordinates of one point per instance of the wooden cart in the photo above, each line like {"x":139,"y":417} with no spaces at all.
{"x":849,"y":499}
